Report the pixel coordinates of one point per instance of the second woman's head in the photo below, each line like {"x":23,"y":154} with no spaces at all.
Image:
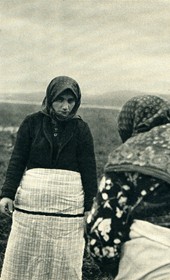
{"x":142,"y":113}
{"x":62,"y":99}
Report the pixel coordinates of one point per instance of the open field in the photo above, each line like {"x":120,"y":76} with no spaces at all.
{"x":103,"y":127}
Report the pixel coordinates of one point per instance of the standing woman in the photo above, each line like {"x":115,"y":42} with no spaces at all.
{"x":51,"y":178}
{"x":129,"y":224}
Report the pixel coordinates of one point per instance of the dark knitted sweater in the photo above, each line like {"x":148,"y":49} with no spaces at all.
{"x":36,"y":147}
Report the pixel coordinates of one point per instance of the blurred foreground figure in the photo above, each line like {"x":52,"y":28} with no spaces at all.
{"x":129,"y":223}
{"x":51,"y":178}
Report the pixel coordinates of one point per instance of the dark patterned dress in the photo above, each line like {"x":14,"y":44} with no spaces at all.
{"x":136,"y":183}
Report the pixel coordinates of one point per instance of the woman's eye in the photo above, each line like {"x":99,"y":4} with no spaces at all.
{"x":71,"y":100}
{"x":60,"y":99}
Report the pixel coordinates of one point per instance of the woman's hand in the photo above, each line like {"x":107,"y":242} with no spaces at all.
{"x":85,"y":224}
{"x":85,"y":216}
{"x":6,"y":206}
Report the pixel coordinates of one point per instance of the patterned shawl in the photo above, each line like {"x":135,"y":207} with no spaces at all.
{"x":54,"y":89}
{"x":144,"y":126}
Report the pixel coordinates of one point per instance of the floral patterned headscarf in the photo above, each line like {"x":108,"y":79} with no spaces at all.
{"x":144,"y":125}
{"x":142,"y":113}
{"x":54,"y":89}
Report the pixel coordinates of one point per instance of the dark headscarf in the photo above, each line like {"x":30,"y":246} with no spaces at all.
{"x":54,"y":89}
{"x":142,"y":113}
{"x":144,"y":125}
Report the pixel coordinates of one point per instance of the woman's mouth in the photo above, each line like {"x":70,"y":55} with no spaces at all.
{"x":64,"y":113}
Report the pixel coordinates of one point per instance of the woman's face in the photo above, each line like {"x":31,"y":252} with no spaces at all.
{"x":64,"y":103}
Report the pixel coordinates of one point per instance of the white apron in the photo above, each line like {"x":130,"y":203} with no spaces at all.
{"x":46,"y":246}
{"x":147,"y":255}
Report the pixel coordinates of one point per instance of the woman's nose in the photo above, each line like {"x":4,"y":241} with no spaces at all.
{"x":65,"y":105}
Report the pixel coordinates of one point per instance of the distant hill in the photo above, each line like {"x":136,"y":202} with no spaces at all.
{"x":114,"y":98}
{"x":117,"y":98}
{"x":35,"y":97}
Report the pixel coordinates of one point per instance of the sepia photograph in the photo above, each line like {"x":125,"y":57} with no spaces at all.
{"x":85,"y":140}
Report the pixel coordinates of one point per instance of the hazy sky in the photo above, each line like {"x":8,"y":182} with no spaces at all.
{"x":106,"y":45}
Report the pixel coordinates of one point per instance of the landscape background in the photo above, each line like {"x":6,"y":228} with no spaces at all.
{"x":112,"y":99}
{"x":100,"y":113}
